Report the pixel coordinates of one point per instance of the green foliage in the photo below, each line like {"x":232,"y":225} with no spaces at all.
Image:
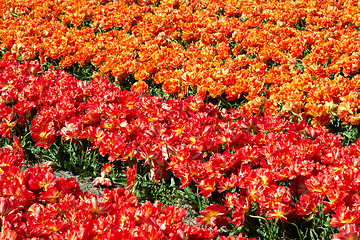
{"x":221,"y":102}
{"x":181,"y":41}
{"x":301,"y":24}
{"x":243,"y":19}
{"x":155,"y":3}
{"x":350,"y":133}
{"x":50,"y":62}
{"x":146,"y":188}
{"x":319,"y":227}
{"x":327,"y":62}
{"x":168,"y":192}
{"x":300,"y":65}
{"x":270,"y":64}
{"x":263,"y":22}
{"x":269,"y":230}
{"x":311,"y":227}
{"x":82,"y":72}
{"x":232,"y":45}
{"x":75,"y":157}
{"x":220,"y":12}
{"x":156,"y":90}
{"x":86,"y":23}
{"x":5,"y":141}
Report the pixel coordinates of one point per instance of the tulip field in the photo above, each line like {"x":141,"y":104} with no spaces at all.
{"x":197,"y":119}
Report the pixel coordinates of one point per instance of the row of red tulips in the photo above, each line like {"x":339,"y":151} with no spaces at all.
{"x":285,"y":169}
{"x":305,"y":52}
{"x":34,"y":204}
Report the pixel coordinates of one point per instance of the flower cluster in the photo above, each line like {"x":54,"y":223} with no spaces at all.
{"x":35,"y":204}
{"x":303,"y":54}
{"x":287,"y":170}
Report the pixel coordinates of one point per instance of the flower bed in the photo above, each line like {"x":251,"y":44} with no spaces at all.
{"x":261,"y":167}
{"x":260,"y":171}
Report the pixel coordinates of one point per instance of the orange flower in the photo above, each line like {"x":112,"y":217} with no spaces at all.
{"x":223,"y":50}
{"x":171,"y":86}
{"x":321,"y":114}
{"x":140,"y":88}
{"x":142,"y":75}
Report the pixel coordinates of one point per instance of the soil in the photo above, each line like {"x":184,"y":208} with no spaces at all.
{"x":84,"y":182}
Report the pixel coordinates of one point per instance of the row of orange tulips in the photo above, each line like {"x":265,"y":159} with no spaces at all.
{"x":303,"y":56}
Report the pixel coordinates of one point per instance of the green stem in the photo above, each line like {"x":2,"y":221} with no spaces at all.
{"x":297,"y":229}
{"x":2,"y":222}
{"x":226,"y":102}
{"x":270,"y":230}
{"x":198,"y":197}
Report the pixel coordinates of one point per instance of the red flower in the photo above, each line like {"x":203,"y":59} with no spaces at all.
{"x":6,"y":125}
{"x":71,"y":130}
{"x":344,"y":215}
{"x":239,"y":237}
{"x":131,"y":176}
{"x":23,"y":109}
{"x":279,"y":211}
{"x":41,"y":177}
{"x":16,"y":148}
{"x":107,"y":168}
{"x":95,"y":206}
{"x":242,"y":206}
{"x":207,"y":185}
{"x":308,"y":204}
{"x":336,"y":198}
{"x":215,"y":216}
{"x":8,"y":234}
{"x":320,"y":183}
{"x":50,"y":195}
{"x":347,"y":232}
{"x":43,"y":135}
{"x":102,"y":181}
{"x":7,"y":205}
